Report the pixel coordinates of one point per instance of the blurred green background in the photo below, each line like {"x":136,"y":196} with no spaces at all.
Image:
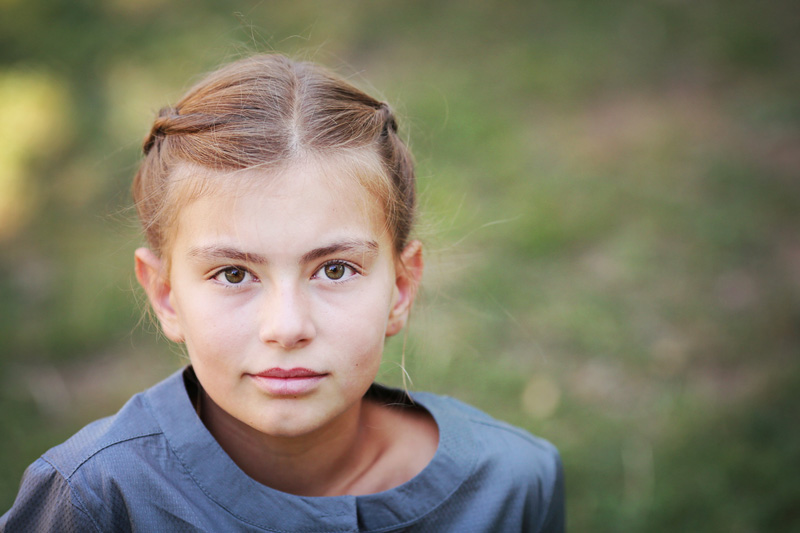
{"x":611,"y":203}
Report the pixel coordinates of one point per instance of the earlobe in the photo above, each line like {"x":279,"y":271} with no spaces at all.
{"x":151,"y":276}
{"x":409,"y":270}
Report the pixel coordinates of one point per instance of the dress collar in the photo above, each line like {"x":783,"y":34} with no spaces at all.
{"x":227,"y":485}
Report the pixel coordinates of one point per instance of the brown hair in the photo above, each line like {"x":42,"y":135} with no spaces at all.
{"x":265,"y":112}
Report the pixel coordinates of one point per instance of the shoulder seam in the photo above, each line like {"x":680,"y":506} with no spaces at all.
{"x":75,"y":501}
{"x":94,"y":452}
{"x":519,"y":432}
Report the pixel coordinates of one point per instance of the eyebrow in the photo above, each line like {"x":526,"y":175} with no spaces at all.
{"x":366,"y":248}
{"x":226,"y":252}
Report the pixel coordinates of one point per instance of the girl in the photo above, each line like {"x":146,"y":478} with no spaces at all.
{"x":277,"y":202}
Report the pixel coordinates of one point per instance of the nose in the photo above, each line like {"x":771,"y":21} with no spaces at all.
{"x":286,"y":320}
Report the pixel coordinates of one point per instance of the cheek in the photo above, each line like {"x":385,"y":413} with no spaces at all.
{"x":361,"y":331}
{"x":362,"y":314}
{"x":210,"y":329}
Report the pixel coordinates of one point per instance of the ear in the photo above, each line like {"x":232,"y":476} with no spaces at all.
{"x":152,"y":278}
{"x":408,"y":274}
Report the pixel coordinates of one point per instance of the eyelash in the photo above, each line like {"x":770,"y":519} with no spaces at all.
{"x":318,"y":274}
{"x":228,"y":284}
{"x":355,"y":271}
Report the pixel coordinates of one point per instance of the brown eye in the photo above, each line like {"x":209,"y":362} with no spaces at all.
{"x":234,"y":275}
{"x":334,"y":271}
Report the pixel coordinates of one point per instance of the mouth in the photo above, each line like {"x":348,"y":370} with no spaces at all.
{"x":291,"y":373}
{"x":288,"y":382}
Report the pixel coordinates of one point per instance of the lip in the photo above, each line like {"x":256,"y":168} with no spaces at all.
{"x":288,"y":382}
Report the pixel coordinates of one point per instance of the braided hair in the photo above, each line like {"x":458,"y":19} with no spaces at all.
{"x":265,"y":112}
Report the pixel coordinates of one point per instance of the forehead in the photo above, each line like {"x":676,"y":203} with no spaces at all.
{"x":325,"y":193}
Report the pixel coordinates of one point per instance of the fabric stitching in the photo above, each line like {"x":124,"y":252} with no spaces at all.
{"x":103,"y":448}
{"x":80,"y":506}
{"x":190,"y":473}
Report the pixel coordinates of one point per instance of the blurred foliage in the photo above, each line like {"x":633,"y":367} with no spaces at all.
{"x":610,"y":202}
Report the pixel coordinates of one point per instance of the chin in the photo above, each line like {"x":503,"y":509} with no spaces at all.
{"x":296,"y":423}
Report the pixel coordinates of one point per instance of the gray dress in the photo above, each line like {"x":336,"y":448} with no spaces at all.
{"x":154,"y":467}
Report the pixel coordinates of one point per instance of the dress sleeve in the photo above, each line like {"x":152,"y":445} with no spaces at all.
{"x":46,"y":503}
{"x":555,"y":519}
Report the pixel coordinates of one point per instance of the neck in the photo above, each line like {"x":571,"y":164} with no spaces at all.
{"x":329,"y":461}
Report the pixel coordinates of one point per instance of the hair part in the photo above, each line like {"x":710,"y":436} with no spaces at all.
{"x":267,"y":112}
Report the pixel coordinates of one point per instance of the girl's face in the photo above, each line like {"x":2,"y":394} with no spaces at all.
{"x":284,"y":295}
